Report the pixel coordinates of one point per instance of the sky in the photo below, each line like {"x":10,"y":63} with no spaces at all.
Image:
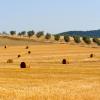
{"x":53,"y":16}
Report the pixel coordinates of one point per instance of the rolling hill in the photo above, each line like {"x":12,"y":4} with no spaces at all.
{"x":92,"y":33}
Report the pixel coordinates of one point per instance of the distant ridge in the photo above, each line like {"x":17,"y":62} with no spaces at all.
{"x":92,"y":33}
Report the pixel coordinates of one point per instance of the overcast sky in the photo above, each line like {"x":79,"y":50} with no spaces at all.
{"x":49,"y":15}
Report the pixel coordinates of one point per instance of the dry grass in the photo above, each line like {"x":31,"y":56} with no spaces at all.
{"x":47,"y":78}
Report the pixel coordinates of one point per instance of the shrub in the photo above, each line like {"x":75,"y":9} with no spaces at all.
{"x":57,"y":37}
{"x":47,"y":36}
{"x":87,"y":40}
{"x":39,"y":34}
{"x":23,"y":65}
{"x":10,"y":61}
{"x":66,"y":38}
{"x":77,"y":39}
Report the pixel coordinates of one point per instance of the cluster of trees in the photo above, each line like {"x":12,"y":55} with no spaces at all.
{"x":77,"y":39}
{"x":87,"y":40}
{"x":29,"y":33}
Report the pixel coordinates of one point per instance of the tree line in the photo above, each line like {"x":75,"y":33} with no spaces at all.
{"x":47,"y":36}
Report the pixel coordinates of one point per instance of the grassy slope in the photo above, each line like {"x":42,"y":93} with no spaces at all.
{"x":15,"y":40}
{"x":5,"y":40}
{"x":48,"y":79}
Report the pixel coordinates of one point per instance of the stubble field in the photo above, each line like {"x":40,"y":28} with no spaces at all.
{"x":47,"y":78}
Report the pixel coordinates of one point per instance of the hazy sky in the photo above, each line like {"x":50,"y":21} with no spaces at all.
{"x":49,"y":15}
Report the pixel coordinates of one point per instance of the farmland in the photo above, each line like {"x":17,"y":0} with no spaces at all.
{"x":46,"y":78}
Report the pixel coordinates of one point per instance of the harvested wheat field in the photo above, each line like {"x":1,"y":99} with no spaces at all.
{"x":45,"y":77}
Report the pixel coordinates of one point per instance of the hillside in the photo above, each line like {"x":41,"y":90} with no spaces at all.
{"x":92,"y":33}
{"x":18,"y":41}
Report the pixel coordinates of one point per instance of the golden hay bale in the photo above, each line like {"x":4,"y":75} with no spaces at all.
{"x":64,"y":61}
{"x":23,"y":65}
{"x":91,"y":55}
{"x":27,"y":47}
{"x":29,"y":52}
{"x":10,"y":61}
{"x":5,"y":46}
{"x":19,"y":56}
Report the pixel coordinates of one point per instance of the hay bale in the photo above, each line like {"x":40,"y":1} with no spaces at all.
{"x":29,"y":52}
{"x":27,"y":47}
{"x":5,"y":46}
{"x":23,"y":65}
{"x":19,"y":56}
{"x":10,"y":61}
{"x":64,"y":61}
{"x":91,"y":55}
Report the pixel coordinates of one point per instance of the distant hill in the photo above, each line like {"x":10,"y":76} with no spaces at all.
{"x":92,"y":33}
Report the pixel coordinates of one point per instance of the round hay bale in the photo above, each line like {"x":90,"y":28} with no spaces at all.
{"x":19,"y":56}
{"x":29,"y":52}
{"x":91,"y":55}
{"x":5,"y":46}
{"x":23,"y":65}
{"x":27,"y":47}
{"x":64,"y":61}
{"x":10,"y":61}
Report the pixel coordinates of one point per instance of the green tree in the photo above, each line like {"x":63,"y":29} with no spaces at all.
{"x":57,"y":37}
{"x":30,"y":33}
{"x":19,"y":34}
{"x":96,"y":40}
{"x":67,"y":38}
{"x":48,"y":36}
{"x":23,"y":33}
{"x":77,"y":39}
{"x":4,"y":33}
{"x":87,"y":40}
{"x":12,"y":32}
{"x":39,"y":34}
